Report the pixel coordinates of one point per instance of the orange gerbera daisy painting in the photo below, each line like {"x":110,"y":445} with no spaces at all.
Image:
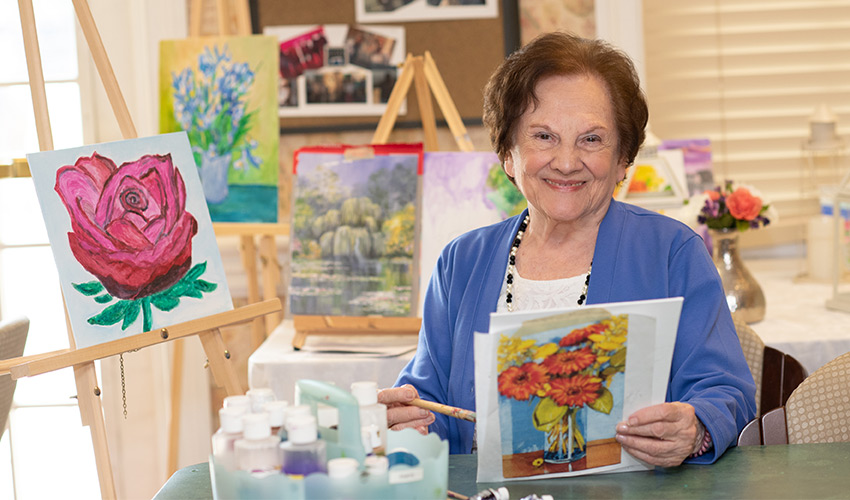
{"x":567,"y":362}
{"x":548,"y":383}
{"x":520,"y":382}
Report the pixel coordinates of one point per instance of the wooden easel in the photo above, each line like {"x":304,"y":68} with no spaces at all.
{"x":82,"y":360}
{"x":423,"y":71}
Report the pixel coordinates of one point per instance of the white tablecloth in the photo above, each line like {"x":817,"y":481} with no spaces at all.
{"x":797,"y":321}
{"x":275,"y":364}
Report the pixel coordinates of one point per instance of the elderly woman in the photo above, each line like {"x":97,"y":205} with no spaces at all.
{"x":567,"y":116}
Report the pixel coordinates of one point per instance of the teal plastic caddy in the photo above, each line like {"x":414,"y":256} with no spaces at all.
{"x":427,"y":480}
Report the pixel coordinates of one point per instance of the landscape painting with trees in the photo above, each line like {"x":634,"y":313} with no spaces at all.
{"x":354,"y":231}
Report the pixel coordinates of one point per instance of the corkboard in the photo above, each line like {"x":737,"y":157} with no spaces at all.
{"x":466,"y":53}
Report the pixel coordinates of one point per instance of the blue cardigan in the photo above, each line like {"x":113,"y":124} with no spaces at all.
{"x":639,"y":255}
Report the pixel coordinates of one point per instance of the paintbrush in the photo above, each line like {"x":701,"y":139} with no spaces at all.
{"x":444,"y":409}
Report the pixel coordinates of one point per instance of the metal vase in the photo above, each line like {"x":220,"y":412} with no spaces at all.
{"x":743,"y":293}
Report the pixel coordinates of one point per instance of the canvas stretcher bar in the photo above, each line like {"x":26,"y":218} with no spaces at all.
{"x":352,"y":325}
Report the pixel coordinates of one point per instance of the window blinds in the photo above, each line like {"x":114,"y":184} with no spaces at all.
{"x":748,"y":74}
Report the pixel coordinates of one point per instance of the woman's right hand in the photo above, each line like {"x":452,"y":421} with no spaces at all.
{"x":401,"y":415}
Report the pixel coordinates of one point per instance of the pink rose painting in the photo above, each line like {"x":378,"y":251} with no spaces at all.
{"x":129,"y":226}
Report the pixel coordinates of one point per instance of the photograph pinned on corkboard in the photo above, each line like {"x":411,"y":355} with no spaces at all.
{"x":472,"y":184}
{"x":131,"y":236}
{"x":354,"y":230}
{"x":388,"y":11}
{"x":337,"y":69}
{"x":223,"y":91}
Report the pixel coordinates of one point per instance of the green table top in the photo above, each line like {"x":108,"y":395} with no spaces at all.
{"x":780,"y":471}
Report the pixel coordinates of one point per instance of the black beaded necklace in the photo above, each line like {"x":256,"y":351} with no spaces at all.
{"x":509,"y":278}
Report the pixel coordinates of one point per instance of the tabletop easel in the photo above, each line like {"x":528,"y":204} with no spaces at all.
{"x":82,"y":360}
{"x":423,"y":71}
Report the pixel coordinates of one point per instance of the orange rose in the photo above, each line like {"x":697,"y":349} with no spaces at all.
{"x":743,"y":205}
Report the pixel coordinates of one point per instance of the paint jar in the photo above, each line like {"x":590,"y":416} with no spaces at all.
{"x":293,"y":411}
{"x":241,"y":401}
{"x":224,"y":438}
{"x":277,"y":413}
{"x":259,"y":397}
{"x":373,"y":417}
{"x":344,"y":475}
{"x":302,"y":453}
{"x":257,"y":451}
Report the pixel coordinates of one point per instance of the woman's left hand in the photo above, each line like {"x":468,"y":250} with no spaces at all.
{"x":662,"y":435}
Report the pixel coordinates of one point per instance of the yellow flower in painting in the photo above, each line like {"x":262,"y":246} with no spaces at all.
{"x":612,"y":337}
{"x":646,"y":179}
{"x":545,"y":350}
{"x":513,"y":351}
{"x":537,"y":462}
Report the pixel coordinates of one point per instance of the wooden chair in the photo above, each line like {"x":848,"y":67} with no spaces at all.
{"x":13,"y":336}
{"x":775,"y":373}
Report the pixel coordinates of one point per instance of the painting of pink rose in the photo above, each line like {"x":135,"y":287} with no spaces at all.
{"x":125,"y":233}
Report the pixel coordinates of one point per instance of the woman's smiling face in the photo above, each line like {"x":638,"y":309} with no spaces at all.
{"x":565,"y":158}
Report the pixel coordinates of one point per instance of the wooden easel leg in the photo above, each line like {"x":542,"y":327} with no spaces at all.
{"x":271,"y":276}
{"x":426,"y":106}
{"x":176,"y":408}
{"x":36,"y":76}
{"x":243,"y":17}
{"x":248,"y":249}
{"x":220,"y":362}
{"x":91,"y":413}
{"x":447,"y":105}
{"x":402,"y":85}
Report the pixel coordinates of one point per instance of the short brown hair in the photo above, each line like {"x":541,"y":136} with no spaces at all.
{"x":510,"y":89}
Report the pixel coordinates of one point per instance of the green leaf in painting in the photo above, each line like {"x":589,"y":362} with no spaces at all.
{"x":103,"y":299}
{"x":131,"y":313}
{"x":164,"y":302}
{"x":195,"y":272}
{"x":204,"y":286}
{"x":111,"y":315}
{"x":547,"y":413}
{"x":604,"y":403}
{"x":88,"y":289}
{"x":618,"y":359}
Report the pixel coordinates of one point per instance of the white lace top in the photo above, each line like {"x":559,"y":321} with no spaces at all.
{"x":531,"y":294}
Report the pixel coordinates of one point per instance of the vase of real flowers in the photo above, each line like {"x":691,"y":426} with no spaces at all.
{"x":728,"y":210}
{"x":211,"y":106}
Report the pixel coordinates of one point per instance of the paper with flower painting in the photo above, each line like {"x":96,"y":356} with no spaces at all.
{"x":131,"y":236}
{"x":552,"y":385}
{"x":354,"y":230}
{"x":223,"y":92}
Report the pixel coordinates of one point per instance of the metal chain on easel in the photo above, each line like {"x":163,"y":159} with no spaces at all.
{"x":123,"y":384}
